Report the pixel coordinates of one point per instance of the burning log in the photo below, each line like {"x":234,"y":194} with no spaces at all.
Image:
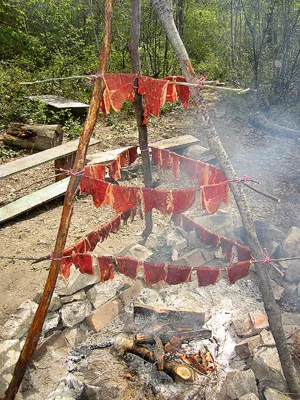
{"x":159,"y":353}
{"x":177,"y":371}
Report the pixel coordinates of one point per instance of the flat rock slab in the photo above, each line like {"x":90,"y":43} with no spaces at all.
{"x":73,"y":313}
{"x":59,"y":101}
{"x":239,"y":383}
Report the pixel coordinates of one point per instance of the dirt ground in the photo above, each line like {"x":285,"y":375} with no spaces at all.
{"x":273,"y":160}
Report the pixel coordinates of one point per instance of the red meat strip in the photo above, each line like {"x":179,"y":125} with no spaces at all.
{"x":154,"y":273}
{"x":244,"y":252}
{"x":183,"y":92}
{"x":106,"y":268}
{"x":114,"y":169}
{"x":181,"y":200}
{"x":187,"y":223}
{"x":238,"y":271}
{"x":128,"y":156}
{"x":124,"y":198}
{"x":166,"y":159}
{"x":211,"y":196}
{"x":133,"y":154}
{"x":200,"y":231}
{"x":158,"y":199}
{"x":171,"y":90}
{"x":189,"y":166}
{"x":175,"y":165}
{"x":211,"y":239}
{"x":118,"y":88}
{"x":155,"y":91}
{"x":214,"y":175}
{"x":227,"y":245}
{"x":84,"y":262}
{"x":207,"y":276}
{"x":93,"y":238}
{"x":66,"y":263}
{"x":98,"y":189}
{"x":104,"y":231}
{"x":156,"y":156}
{"x":115,"y":224}
{"x":80,"y":247}
{"x":128,"y":266}
{"x":202,"y":171}
{"x":95,"y":171}
{"x":178,"y":274}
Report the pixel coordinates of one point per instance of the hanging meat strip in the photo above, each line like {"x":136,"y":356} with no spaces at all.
{"x":175,"y":165}
{"x":178,"y":274}
{"x":227,"y":245}
{"x":189,"y":166}
{"x":118,"y":89}
{"x":238,"y":271}
{"x":106,"y":268}
{"x":83,"y":262}
{"x":115,"y":224}
{"x":187,"y":223}
{"x":200,"y":231}
{"x":166,"y":159}
{"x":155,"y":92}
{"x":211,"y":238}
{"x":171,"y":90}
{"x":158,"y":199}
{"x":80,"y":247}
{"x":153,"y":273}
{"x":66,"y":263}
{"x":183,"y":91}
{"x":202,"y":172}
{"x":128,"y":266}
{"x":212,"y":196}
{"x":244,"y":252}
{"x":156,"y":156}
{"x":207,"y":276}
{"x":124,"y":198}
{"x":181,"y":200}
{"x":95,"y":171}
{"x":93,"y":238}
{"x":98,"y":189}
{"x":104,"y":231}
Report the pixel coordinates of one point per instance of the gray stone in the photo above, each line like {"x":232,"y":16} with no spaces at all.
{"x":290,"y":322}
{"x":55,"y":303}
{"x":193,"y":258}
{"x":250,"y":324}
{"x":69,"y":388}
{"x":73,"y":297}
{"x":269,"y":236}
{"x":51,"y":322}
{"x":9,"y":354}
{"x":221,"y":222}
{"x":77,"y":335}
{"x":104,"y":291}
{"x":277,"y":290}
{"x":149,"y":296}
{"x":290,"y":247}
{"x":267,"y":369}
{"x":272,"y":394}
{"x":73,"y":313}
{"x":249,"y":396}
{"x":75,"y":282}
{"x":266,"y":337}
{"x":198,"y":152}
{"x":292,"y":274}
{"x":19,"y":323}
{"x":176,"y":241}
{"x":139,"y":252}
{"x":239,"y":383}
{"x":298,"y":289}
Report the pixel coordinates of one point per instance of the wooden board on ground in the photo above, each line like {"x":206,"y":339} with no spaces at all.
{"x":175,"y":143}
{"x":22,"y":164}
{"x":33,"y":200}
{"x":58,"y":103}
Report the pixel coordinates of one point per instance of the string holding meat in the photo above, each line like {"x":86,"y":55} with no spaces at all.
{"x":153,"y":273}
{"x":158,"y":199}
{"x":104,"y":231}
{"x":128,"y":266}
{"x":155,"y":92}
{"x":238,"y":271}
{"x":118,"y":89}
{"x":208,"y":276}
{"x":181,"y":200}
{"x":124,"y":198}
{"x":84,"y":263}
{"x":106,"y":268}
{"x":212,"y":196}
{"x":178,"y":274}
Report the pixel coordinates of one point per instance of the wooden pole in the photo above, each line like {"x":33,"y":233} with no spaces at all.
{"x":138,"y":105}
{"x":163,"y":9}
{"x":39,"y":318}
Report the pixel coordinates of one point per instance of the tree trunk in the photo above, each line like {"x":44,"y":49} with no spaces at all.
{"x":163,"y":10}
{"x":261,"y":122}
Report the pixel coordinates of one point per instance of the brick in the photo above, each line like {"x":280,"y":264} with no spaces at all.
{"x":259,"y":320}
{"x":246,"y":347}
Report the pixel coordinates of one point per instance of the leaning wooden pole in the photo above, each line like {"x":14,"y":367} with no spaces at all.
{"x":138,"y":104}
{"x":39,"y":318}
{"x":163,"y":9}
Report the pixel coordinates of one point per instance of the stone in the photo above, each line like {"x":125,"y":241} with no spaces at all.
{"x":19,"y":323}
{"x":175,"y":255}
{"x":55,"y":303}
{"x":221,"y":222}
{"x":149,"y":296}
{"x":176,"y":241}
{"x":239,"y":383}
{"x":9,"y":354}
{"x":249,"y":396}
{"x":73,"y":297}
{"x":73,"y":313}
{"x":292,"y":274}
{"x":104,"y":291}
{"x":269,"y":236}
{"x":250,"y":324}
{"x":77,"y":335}
{"x":273,"y":394}
{"x":267,"y":369}
{"x":51,"y":322}
{"x":198,"y":152}
{"x":298,"y":289}
{"x":139,"y":252}
{"x":75,"y":282}
{"x":193,"y":258}
{"x":246,"y":347}
{"x":277,"y":290}
{"x":290,"y":322}
{"x":266,"y":337}
{"x":290,"y":247}
{"x":259,"y":320}
{"x":69,"y":388}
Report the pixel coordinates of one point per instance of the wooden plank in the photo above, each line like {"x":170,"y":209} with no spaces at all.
{"x":176,"y":143}
{"x":22,"y":164}
{"x":33,"y":200}
{"x":59,"y":102}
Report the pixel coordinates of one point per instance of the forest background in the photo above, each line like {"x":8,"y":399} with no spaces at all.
{"x":246,"y":43}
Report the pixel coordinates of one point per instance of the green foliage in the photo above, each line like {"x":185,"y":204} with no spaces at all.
{"x":72,"y":128}
{"x":7,"y":152}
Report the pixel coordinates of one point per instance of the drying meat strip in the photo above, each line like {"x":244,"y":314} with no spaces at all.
{"x":104,"y":231}
{"x":215,"y":175}
{"x":80,"y":247}
{"x":156,"y":156}
{"x":83,"y":262}
{"x":133,"y":154}
{"x":238,"y":271}
{"x":171,"y":90}
{"x":200,"y":231}
{"x":155,"y":92}
{"x":202,"y":171}
{"x":95,"y":171}
{"x":207,"y":276}
{"x":115,"y":224}
{"x":118,"y":89}
{"x":227,"y":245}
{"x":114,"y":169}
{"x":187,"y":223}
{"x":189,"y":166}
{"x":211,"y":196}
{"x":128,"y":266}
{"x":166,"y":159}
{"x":181,"y":200}
{"x":175,"y":165}
{"x":124,"y":198}
{"x":93,"y":239}
{"x":153,"y":273}
{"x":66,"y":263}
{"x":98,"y":189}
{"x":158,"y":199}
{"x":106,"y":268}
{"x":211,"y":238}
{"x":183,"y":92}
{"x":244,"y":252}
{"x":178,"y":274}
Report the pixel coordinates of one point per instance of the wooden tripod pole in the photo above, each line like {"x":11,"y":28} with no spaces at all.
{"x":40,"y":315}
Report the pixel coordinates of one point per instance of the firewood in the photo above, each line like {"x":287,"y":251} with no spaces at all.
{"x":159,"y":353}
{"x":182,"y":333}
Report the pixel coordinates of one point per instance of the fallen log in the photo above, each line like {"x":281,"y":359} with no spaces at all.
{"x":260,"y":121}
{"x":167,"y":333}
{"x":33,"y":137}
